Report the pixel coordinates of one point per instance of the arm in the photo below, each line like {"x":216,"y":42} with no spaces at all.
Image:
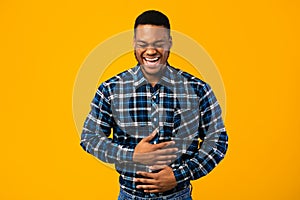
{"x":214,"y":141}
{"x":97,"y":128}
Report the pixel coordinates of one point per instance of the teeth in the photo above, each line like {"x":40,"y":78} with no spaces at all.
{"x":152,"y":59}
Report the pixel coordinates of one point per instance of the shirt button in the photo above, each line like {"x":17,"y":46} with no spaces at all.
{"x":155,"y":119}
{"x":154,"y":97}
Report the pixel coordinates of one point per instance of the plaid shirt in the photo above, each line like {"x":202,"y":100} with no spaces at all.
{"x":182,"y":108}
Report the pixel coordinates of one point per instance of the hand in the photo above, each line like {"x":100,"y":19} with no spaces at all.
{"x":154,"y":154}
{"x":157,"y":182}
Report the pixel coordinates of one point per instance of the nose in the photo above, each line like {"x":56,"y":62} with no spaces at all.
{"x":151,"y":51}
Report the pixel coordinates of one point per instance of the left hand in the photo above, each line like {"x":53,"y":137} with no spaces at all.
{"x":162,"y":181}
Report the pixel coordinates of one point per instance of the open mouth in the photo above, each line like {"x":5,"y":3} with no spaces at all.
{"x":151,"y":61}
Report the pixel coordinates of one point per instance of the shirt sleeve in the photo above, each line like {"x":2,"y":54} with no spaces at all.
{"x":214,"y":141}
{"x":97,"y":128}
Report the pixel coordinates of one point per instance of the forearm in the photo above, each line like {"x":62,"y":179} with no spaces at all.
{"x":203,"y":161}
{"x":97,"y":128}
{"x":102,"y":148}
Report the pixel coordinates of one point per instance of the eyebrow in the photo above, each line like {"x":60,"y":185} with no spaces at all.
{"x":157,"y":41}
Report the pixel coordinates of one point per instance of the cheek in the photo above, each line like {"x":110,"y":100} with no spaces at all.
{"x":138,"y":54}
{"x":165,"y":53}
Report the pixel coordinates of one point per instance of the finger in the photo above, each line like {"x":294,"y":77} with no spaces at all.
{"x":162,"y":162}
{"x":146,"y":174}
{"x":157,"y":159}
{"x":144,"y":180}
{"x":164,"y":144}
{"x":166,"y":151}
{"x":152,"y":162}
{"x":152,"y":191}
{"x":151,"y":136}
{"x":164,"y":159}
{"x":169,"y":143}
{"x":147,"y":187}
{"x":157,"y":167}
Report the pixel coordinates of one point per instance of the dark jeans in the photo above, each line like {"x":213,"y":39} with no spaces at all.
{"x":181,"y":195}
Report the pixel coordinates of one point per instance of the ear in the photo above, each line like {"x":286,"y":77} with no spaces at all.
{"x":133,"y":42}
{"x":170,"y":41}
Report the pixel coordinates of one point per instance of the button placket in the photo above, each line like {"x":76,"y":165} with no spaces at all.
{"x":154,"y":113}
{"x":154,"y":116}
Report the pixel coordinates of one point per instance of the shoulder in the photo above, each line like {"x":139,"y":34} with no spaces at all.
{"x":120,"y":83}
{"x":190,"y":78}
{"x":121,"y":78}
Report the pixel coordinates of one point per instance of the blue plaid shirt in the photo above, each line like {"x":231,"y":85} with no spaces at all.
{"x":182,"y":107}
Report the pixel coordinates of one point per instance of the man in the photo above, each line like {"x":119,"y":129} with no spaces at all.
{"x":166,"y":124}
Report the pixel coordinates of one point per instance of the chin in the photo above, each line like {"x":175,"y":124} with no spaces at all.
{"x":153,"y":69}
{"x":156,"y":66}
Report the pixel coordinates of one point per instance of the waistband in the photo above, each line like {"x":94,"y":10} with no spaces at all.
{"x":184,"y":194}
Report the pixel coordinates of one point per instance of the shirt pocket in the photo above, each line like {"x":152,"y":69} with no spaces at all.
{"x":186,"y":122}
{"x":185,"y":131}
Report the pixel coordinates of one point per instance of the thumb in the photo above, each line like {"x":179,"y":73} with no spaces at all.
{"x":151,"y":136}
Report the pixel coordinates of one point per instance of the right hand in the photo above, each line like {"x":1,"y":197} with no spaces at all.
{"x":154,"y":154}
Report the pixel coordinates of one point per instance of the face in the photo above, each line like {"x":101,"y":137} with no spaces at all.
{"x":152,"y":45}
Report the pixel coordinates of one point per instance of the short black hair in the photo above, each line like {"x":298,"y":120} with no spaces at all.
{"x":152,"y":17}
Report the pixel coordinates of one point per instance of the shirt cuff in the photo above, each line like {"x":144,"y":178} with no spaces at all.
{"x":182,"y":176}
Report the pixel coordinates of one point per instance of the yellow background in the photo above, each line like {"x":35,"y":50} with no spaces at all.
{"x":255,"y":45}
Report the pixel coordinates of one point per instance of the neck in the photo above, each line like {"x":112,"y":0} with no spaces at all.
{"x":153,"y":80}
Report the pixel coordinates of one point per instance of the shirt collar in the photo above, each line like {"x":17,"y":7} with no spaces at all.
{"x":138,"y":77}
{"x":168,"y":78}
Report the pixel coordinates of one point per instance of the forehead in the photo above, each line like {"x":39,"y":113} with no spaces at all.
{"x":151,"y":33}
